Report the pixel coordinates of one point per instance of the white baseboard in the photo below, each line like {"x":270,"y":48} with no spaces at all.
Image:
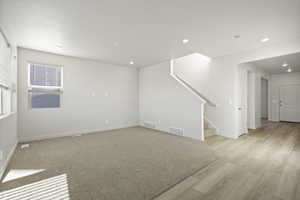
{"x":70,"y":133}
{"x":5,"y":164}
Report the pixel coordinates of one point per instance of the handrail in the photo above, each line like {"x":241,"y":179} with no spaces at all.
{"x":195,"y":91}
{"x":188,"y":86}
{"x":5,"y":38}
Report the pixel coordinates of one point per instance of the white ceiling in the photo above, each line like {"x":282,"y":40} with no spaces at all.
{"x":274,"y":65}
{"x":148,"y":31}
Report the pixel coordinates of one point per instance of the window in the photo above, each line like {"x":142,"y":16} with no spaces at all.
{"x":45,"y":85}
{"x":5,"y":100}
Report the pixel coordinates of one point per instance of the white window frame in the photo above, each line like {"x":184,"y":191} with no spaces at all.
{"x":44,"y":89}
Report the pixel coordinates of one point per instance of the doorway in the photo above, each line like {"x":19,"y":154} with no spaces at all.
{"x":269,"y":92}
{"x":264,"y":100}
{"x":254,"y":101}
{"x":250,"y":105}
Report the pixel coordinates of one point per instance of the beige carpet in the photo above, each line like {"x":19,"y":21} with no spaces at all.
{"x":125,"y":164}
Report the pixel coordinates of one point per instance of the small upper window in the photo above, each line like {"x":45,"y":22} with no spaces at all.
{"x":45,"y":86}
{"x":45,"y":76}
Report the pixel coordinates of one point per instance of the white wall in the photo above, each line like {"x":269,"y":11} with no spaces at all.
{"x":166,"y":103}
{"x":220,"y":81}
{"x":8,"y":139}
{"x":215,"y":83}
{"x":93,"y":93}
{"x":278,"y":80}
{"x":264,"y":98}
{"x":8,"y":123}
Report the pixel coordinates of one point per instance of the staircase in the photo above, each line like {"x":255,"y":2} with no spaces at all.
{"x":209,"y":130}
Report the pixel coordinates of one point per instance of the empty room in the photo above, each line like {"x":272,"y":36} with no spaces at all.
{"x":149,"y":100}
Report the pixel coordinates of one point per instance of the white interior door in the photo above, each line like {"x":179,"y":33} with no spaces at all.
{"x":290,"y":103}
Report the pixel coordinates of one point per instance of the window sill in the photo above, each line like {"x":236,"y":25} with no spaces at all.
{"x":6,"y":115}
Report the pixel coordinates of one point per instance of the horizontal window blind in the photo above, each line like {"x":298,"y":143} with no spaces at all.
{"x":44,"y":76}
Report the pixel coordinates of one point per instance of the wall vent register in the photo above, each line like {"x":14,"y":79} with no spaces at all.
{"x":176,"y":131}
{"x":149,"y":125}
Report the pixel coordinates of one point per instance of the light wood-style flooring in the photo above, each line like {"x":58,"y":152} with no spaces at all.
{"x":262,"y":165}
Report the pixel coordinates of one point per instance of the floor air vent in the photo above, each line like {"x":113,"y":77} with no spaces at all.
{"x":176,"y":131}
{"x":24,"y":146}
{"x":149,"y":124}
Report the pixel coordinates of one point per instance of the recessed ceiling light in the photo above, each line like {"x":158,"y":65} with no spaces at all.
{"x":289,"y":70}
{"x":59,"y":46}
{"x":236,"y":36}
{"x":266,"y":39}
{"x":131,"y":62}
{"x":285,"y":64}
{"x":184,"y":41}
